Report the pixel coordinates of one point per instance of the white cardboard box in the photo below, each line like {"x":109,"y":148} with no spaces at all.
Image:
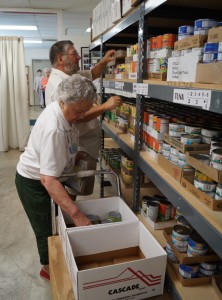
{"x":182,"y":68}
{"x":137,"y":279}
{"x":126,"y":7}
{"x":100,"y":207}
{"x":116,"y":11}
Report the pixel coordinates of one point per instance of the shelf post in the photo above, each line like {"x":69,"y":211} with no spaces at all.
{"x":139,"y":113}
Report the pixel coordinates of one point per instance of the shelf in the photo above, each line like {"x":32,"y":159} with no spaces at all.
{"x":186,"y":293}
{"x":165,"y":90}
{"x":208,"y":223}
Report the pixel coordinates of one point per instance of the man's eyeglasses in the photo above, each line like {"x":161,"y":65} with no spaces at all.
{"x":73,"y":53}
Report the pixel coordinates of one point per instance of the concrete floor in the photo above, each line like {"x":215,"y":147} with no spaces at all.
{"x":19,"y":260}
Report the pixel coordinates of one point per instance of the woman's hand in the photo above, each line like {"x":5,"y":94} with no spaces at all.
{"x":80,"y":219}
{"x":112,"y":102}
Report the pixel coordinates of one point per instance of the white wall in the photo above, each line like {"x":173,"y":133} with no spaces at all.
{"x":31,"y":53}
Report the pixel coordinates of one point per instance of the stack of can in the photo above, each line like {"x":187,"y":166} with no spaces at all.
{"x":209,"y":134}
{"x":216,"y":158}
{"x":180,"y":237}
{"x":210,"y":52}
{"x":176,"y":129}
{"x":189,"y":271}
{"x":207,"y":269}
{"x":185,"y":31}
{"x":196,"y":245}
{"x":202,"y":26}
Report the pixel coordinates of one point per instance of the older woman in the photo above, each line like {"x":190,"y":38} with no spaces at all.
{"x":51,"y":152}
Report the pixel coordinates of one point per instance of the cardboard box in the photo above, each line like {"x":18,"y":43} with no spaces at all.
{"x":193,"y":41}
{"x":173,"y":170}
{"x":122,"y":76}
{"x":158,"y":225}
{"x":157,"y":76}
{"x":183,"y":257}
{"x":182,"y":68}
{"x":182,"y":147}
{"x":151,"y":131}
{"x":205,"y":169}
{"x":100,"y":207}
{"x":109,"y":76}
{"x":209,"y":73}
{"x":188,"y":281}
{"x":108,"y":273}
{"x":217,"y":284}
{"x":116,"y":11}
{"x":215,"y":35}
{"x":126,"y":7}
{"x":187,"y":183}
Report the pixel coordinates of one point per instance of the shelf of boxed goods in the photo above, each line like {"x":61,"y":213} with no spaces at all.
{"x":207,"y":222}
{"x":202,"y":96}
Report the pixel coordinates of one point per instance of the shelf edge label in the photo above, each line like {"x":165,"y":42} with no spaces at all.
{"x":140,"y":88}
{"x":198,"y":98}
{"x":119,"y":85}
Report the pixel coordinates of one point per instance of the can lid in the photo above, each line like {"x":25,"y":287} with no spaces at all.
{"x":181,"y":229}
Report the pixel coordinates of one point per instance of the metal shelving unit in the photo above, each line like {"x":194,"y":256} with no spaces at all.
{"x":165,"y":92}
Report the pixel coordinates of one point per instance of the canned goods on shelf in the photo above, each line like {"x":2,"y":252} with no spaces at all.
{"x":215,"y":146}
{"x":205,"y":186}
{"x":164,"y":210}
{"x":188,"y":271}
{"x":206,"y":272}
{"x":173,"y":158}
{"x":182,"y":156}
{"x":176,"y":134}
{"x":166,"y":153}
{"x":197,"y":242}
{"x":189,"y":139}
{"x":192,"y":252}
{"x":202,"y":177}
{"x":179,"y":243}
{"x":185,"y":51}
{"x":184,"y":165}
{"x":169,"y":40}
{"x":177,"y":127}
{"x":217,"y":156}
{"x":166,"y":146}
{"x":153,"y":210}
{"x":220,"y":46}
{"x":212,"y":133}
{"x":208,"y":266}
{"x":219,"y":190}
{"x":205,"y":139}
{"x":219,"y":56}
{"x":185,"y":29}
{"x":174,"y":151}
{"x":201,"y":31}
{"x":216,"y":165}
{"x":209,"y":57}
{"x":205,"y":23}
{"x":176,"y":53}
{"x":192,"y":129}
{"x":181,"y":232}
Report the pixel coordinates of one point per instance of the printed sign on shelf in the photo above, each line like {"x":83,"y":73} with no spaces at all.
{"x":198,"y":98}
{"x":119,"y":85}
{"x":140,"y":88}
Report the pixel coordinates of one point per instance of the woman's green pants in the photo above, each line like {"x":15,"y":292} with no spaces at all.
{"x":37,"y":204}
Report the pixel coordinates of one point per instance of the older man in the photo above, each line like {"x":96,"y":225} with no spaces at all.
{"x":65,"y":62}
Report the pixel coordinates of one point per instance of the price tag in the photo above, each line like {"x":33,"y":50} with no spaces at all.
{"x":140,"y":88}
{"x":198,"y":98}
{"x":119,"y":85}
{"x":105,"y":83}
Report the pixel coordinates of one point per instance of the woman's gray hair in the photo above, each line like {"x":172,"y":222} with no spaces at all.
{"x":75,"y":88}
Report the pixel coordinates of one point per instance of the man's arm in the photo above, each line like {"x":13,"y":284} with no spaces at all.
{"x":96,"y":111}
{"x":100,"y":67}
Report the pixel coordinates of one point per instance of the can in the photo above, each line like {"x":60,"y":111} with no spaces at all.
{"x":219,"y":56}
{"x":202,"y":177}
{"x":182,"y":156}
{"x":181,"y":233}
{"x":159,"y":42}
{"x":166,"y":153}
{"x":201,"y":31}
{"x":183,"y":36}
{"x":176,"y":134}
{"x":205,"y":139}
{"x":163,"y":65}
{"x":115,"y":216}
{"x":169,"y":40}
{"x":206,"y":272}
{"x":173,"y":158}
{"x":153,"y":210}
{"x":219,"y":190}
{"x":192,"y":129}
{"x":188,"y":271}
{"x":164,"y":210}
{"x":217,"y":156}
{"x":105,"y":221}
{"x":216,"y":165}
{"x":205,"y":23}
{"x":211,"y":48}
{"x":216,"y":197}
{"x":171,"y":254}
{"x":192,"y":252}
{"x":205,"y":186}
{"x":209,"y":57}
{"x":179,"y":243}
{"x":166,"y":146}
{"x":153,"y":43}
{"x":212,"y":132}
{"x":176,"y":53}
{"x":189,"y":139}
{"x":176,"y":127}
{"x":182,"y":221}
{"x":174,"y":151}
{"x":185,"y":29}
{"x":208,"y":266}
{"x":215,"y":146}
{"x":161,"y":124}
{"x":197,"y":242}
{"x":94,"y":219}
{"x":185,"y":51}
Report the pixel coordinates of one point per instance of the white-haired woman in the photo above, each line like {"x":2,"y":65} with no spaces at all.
{"x":51,"y":152}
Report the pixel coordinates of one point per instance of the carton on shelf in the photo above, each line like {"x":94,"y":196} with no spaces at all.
{"x":191,"y":42}
{"x":215,"y":35}
{"x":126,"y":7}
{"x":209,"y":73}
{"x":116,"y":11}
{"x":108,"y":263}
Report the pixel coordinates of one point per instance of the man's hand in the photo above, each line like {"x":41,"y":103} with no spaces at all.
{"x":109,"y":56}
{"x":112,"y":102}
{"x":80,"y":219}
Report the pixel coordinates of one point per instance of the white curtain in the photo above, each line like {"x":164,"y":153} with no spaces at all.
{"x":14,"y":113}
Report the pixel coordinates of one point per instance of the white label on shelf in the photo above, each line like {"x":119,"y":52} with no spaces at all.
{"x":105,"y":83}
{"x":119,"y":85}
{"x":199,"y":98}
{"x":140,"y":88}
